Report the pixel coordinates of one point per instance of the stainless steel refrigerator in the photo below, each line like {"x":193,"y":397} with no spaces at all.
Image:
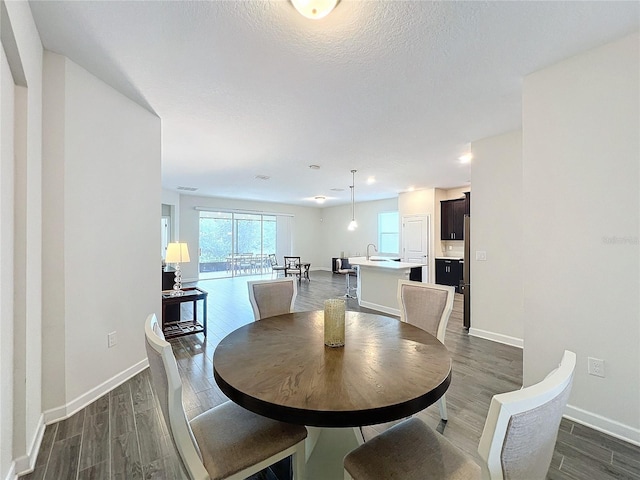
{"x":465,"y":287}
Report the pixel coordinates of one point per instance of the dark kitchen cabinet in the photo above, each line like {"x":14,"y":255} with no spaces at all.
{"x":449,"y":272}
{"x":452,"y":214}
{"x":452,"y":219}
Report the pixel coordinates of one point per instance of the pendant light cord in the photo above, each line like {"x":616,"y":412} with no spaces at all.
{"x":353,"y":224}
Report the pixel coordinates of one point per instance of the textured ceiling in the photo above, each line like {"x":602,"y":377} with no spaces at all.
{"x":394,"y":89}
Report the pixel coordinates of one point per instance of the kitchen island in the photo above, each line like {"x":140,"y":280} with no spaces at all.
{"x":378,"y":282}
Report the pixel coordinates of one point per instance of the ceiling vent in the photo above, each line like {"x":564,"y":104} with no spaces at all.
{"x":188,"y":189}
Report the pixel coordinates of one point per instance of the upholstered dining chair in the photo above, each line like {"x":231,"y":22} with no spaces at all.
{"x":517,"y":442}
{"x":273,"y":261}
{"x":272,"y":297}
{"x":427,"y":306}
{"x":225,"y":442}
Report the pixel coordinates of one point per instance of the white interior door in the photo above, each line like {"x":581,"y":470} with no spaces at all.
{"x":415,"y":241}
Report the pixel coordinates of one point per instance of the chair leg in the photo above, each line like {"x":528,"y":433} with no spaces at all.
{"x":348,"y":293}
{"x":298,"y":462}
{"x":442,"y":405}
{"x":357,"y":431}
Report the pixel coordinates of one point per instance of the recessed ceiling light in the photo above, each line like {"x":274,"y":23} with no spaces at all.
{"x":371,"y":180}
{"x":465,"y":158}
{"x":337,"y":189}
{"x":262,"y":177}
{"x":314,"y":167}
{"x":411,"y":189}
{"x":320,"y":199}
{"x":188,"y":189}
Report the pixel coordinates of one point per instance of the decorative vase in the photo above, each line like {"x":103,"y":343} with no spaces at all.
{"x":334,"y":322}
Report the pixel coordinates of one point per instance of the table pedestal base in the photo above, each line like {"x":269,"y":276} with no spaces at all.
{"x":325,"y":450}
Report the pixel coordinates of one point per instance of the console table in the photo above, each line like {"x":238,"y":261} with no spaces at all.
{"x":172,"y":329}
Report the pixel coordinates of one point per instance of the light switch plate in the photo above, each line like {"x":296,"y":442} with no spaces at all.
{"x":481,"y":255}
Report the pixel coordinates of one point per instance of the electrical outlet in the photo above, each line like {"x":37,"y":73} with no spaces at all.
{"x":596,"y":367}
{"x":112,"y":339}
{"x":481,"y":255}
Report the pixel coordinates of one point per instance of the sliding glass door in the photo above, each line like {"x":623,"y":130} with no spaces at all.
{"x":233,"y":244}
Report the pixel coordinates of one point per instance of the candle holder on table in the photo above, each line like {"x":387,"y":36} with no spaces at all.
{"x":334,"y":309}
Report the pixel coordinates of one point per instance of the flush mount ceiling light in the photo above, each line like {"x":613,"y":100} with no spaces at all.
{"x":314,"y":9}
{"x":320,"y":199}
{"x":353,"y":224}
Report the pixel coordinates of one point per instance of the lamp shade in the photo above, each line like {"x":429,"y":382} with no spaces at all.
{"x":177,"y":253}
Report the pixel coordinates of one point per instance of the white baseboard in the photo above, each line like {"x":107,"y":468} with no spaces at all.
{"x":603,"y":424}
{"x":65,"y":411}
{"x":380,"y":308}
{"x":27,"y":463}
{"x":497,"y":337}
{"x":11,"y":474}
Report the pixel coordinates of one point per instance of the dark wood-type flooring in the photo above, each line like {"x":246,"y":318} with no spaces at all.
{"x":122,"y":435}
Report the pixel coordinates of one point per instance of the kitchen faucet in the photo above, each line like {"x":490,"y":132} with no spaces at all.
{"x":375,"y":249}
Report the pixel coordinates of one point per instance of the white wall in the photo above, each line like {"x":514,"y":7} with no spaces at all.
{"x":306,"y":226}
{"x":101,"y":232}
{"x":336,"y":238}
{"x":21,"y":343}
{"x":6,"y":266}
{"x":173,"y":200}
{"x":496,"y":228}
{"x":581,"y":230}
{"x":423,"y":202}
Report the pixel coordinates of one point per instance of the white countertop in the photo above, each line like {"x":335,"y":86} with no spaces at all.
{"x":449,"y":258}
{"x":388,"y":264}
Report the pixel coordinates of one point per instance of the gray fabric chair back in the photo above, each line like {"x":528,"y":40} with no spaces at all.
{"x":530,"y":439}
{"x":272,"y":297}
{"x":426,"y":306}
{"x":522,"y":426}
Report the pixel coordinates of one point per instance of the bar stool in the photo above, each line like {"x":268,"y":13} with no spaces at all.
{"x":347,"y":272}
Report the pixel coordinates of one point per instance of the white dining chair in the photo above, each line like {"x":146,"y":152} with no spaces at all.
{"x":517,"y":442}
{"x":272,"y":297}
{"x":427,"y":306}
{"x":225,"y":442}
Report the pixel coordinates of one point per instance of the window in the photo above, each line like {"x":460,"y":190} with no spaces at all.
{"x":234,"y":244}
{"x":389,"y":232}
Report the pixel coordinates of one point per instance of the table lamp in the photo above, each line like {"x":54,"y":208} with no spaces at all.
{"x":177,"y":253}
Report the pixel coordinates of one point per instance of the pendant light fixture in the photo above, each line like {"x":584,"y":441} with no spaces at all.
{"x":314,"y":9}
{"x":353,"y":224}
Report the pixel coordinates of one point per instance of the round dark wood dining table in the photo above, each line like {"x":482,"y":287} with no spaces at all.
{"x":280,"y":368}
